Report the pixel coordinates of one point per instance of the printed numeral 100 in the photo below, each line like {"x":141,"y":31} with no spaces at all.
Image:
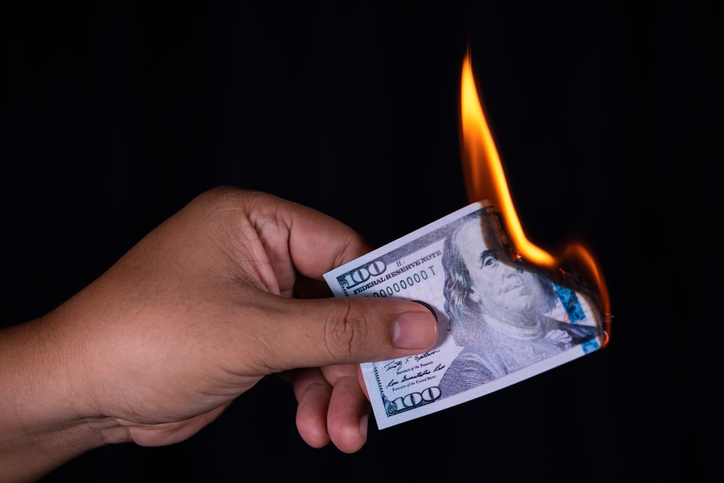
{"x":363,"y":274}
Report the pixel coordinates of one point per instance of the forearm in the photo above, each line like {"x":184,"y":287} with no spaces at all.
{"x":44,"y":421}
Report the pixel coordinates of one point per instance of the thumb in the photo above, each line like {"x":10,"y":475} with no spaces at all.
{"x":321,"y":332}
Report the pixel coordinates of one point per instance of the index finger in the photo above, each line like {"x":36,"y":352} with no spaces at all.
{"x":301,"y":238}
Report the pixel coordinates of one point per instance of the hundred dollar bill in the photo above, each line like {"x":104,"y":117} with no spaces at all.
{"x":500,"y":321}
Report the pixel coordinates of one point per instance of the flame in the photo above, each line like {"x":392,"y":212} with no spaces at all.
{"x":485,"y":179}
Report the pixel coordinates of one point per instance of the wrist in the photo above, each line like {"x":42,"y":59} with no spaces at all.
{"x":44,"y":414}
{"x":27,"y":454}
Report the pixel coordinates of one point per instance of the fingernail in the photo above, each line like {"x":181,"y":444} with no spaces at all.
{"x":363,"y":426}
{"x":414,"y":330}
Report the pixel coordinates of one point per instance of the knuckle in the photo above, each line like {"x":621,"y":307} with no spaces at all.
{"x":345,"y":330}
{"x":220,"y":195}
{"x":223,"y":201}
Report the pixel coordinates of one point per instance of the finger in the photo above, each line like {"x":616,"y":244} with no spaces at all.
{"x":348,"y":411}
{"x":313,"y":393}
{"x":318,"y":244}
{"x":315,"y":333}
{"x":170,"y":433}
{"x":300,"y":237}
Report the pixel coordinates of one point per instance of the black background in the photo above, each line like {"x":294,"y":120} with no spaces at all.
{"x":607,"y":117}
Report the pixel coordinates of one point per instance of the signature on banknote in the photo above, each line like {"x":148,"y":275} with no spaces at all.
{"x":500,"y":320}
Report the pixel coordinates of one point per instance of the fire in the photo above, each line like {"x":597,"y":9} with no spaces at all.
{"x":485,"y":179}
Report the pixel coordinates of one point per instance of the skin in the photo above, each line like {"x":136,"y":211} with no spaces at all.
{"x":189,"y":319}
{"x":504,"y":293}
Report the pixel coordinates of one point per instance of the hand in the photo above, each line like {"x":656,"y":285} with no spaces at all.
{"x":193,"y":316}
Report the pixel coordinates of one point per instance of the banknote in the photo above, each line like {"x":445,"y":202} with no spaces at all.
{"x":500,"y":320}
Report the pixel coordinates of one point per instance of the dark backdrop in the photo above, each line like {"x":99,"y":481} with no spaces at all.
{"x":607,"y":117}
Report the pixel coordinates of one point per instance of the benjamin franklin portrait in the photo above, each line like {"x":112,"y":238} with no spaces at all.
{"x":499,"y":312}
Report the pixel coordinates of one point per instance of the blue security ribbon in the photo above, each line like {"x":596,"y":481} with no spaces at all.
{"x":570,"y":303}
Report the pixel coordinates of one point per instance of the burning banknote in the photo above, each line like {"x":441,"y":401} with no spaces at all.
{"x":500,"y":320}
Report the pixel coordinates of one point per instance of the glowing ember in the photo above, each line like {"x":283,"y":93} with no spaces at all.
{"x":485,"y":179}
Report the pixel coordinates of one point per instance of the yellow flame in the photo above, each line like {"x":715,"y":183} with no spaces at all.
{"x":484,"y":168}
{"x":576,"y":254}
{"x":485,"y":179}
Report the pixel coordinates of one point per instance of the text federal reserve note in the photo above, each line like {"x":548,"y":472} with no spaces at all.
{"x":500,"y":321}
